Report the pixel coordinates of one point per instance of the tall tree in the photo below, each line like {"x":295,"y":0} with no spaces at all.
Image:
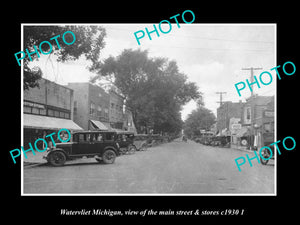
{"x":199,"y":119}
{"x":154,"y":89}
{"x":89,"y":42}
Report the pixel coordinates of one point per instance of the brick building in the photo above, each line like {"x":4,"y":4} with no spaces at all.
{"x":91,"y":106}
{"x":258,"y":118}
{"x":116,"y":114}
{"x":46,"y":109}
{"x":227,"y":111}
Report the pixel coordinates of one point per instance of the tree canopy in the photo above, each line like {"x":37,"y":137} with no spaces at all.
{"x":199,"y":119}
{"x":89,"y":42}
{"x":154,"y":89}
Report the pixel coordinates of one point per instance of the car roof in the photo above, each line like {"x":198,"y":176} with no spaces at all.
{"x":124,"y":132}
{"x":93,"y":131}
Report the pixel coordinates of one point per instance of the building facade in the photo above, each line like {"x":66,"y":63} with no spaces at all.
{"x":116,"y":114}
{"x":258,"y":117}
{"x":47,"y":108}
{"x":256,"y":126}
{"x":227,"y":111}
{"x":91,"y":106}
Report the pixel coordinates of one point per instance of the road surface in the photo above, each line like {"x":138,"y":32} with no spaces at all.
{"x":171,"y":168}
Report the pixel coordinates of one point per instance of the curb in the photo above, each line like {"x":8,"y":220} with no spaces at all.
{"x":27,"y":165}
{"x":244,"y":150}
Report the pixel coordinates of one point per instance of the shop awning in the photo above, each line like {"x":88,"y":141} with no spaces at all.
{"x":49,"y":123}
{"x":98,"y":125}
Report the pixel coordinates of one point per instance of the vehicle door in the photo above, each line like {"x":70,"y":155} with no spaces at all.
{"x":123,"y":141}
{"x":110,"y":139}
{"x":81,"y":144}
{"x":97,"y":142}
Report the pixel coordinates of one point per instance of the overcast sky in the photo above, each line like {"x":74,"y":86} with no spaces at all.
{"x":212,"y":55}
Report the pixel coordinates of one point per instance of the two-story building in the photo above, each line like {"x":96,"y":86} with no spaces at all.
{"x":116,"y":115}
{"x":47,"y":108}
{"x":91,"y":106}
{"x":257,"y":119}
{"x":225,"y":113}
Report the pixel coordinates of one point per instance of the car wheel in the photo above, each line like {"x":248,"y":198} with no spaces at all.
{"x":109,"y":157}
{"x":57,"y":158}
{"x":144,"y":147}
{"x":98,"y":160}
{"x":131,"y":149}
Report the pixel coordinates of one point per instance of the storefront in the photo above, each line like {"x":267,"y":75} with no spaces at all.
{"x":36,"y":126}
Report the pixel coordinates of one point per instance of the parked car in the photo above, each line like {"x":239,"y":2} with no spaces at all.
{"x":141,"y":142}
{"x":101,"y":145}
{"x":267,"y":139}
{"x":125,"y":140}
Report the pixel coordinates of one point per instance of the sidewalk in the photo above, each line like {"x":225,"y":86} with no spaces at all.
{"x":34,"y":159}
{"x":241,"y":148}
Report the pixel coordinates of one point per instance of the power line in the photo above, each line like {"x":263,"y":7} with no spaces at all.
{"x":251,"y":76}
{"x":204,"y":38}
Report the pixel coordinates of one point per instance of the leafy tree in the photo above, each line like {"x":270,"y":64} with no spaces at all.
{"x":154,"y":89}
{"x":198,"y":119}
{"x":89,"y":42}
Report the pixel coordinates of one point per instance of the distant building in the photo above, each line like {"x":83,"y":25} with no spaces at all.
{"x":91,"y":106}
{"x":47,"y":108}
{"x":227,"y":111}
{"x":258,"y":117}
{"x":256,"y":126}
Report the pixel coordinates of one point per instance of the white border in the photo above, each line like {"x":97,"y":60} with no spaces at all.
{"x":149,"y":194}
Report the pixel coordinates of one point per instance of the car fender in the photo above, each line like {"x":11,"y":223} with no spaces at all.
{"x":111,"y":148}
{"x":57,"y":149}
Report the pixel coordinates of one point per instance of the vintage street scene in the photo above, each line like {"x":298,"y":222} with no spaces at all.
{"x":183,"y":113}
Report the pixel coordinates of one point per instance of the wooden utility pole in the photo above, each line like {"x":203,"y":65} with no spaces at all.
{"x":221,"y":95}
{"x":251,"y":76}
{"x":251,"y":103}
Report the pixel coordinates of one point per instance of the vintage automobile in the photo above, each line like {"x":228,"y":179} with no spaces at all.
{"x":267,"y":139}
{"x":141,"y":142}
{"x":100,"y":145}
{"x":125,"y":140}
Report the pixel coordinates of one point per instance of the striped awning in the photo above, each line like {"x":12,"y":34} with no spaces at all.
{"x":98,"y":125}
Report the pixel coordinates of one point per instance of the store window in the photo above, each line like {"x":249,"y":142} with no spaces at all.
{"x":50,"y":112}
{"x":99,"y":110}
{"x":75,"y":107}
{"x":92,"y":108}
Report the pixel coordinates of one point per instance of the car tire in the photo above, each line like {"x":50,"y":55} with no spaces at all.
{"x":57,"y":158}
{"x":109,"y":156}
{"x":131,"y":149}
{"x":144,"y":147}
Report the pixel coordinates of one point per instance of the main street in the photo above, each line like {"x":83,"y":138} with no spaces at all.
{"x":171,"y":168}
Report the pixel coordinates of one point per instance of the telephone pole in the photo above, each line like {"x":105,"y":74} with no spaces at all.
{"x":221,"y":95}
{"x":252,"y":105}
{"x":251,"y":76}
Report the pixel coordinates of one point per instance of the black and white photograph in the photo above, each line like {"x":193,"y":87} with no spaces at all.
{"x":143,"y":112}
{"x":110,"y":111}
